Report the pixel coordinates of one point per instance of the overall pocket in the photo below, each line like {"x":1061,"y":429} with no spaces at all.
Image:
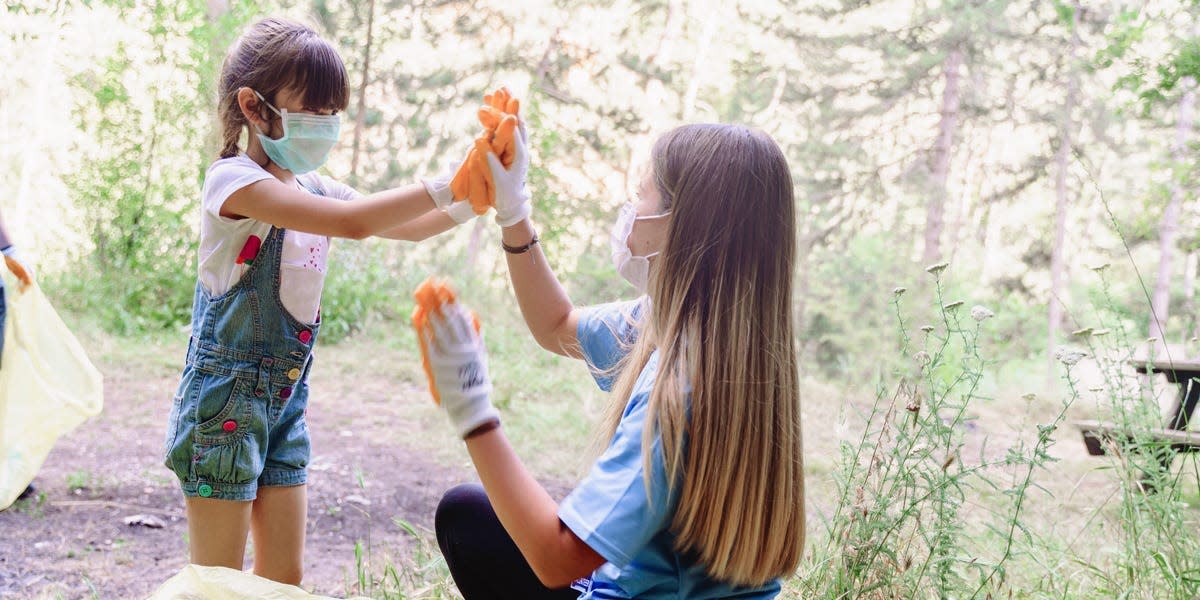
{"x":224,"y":410}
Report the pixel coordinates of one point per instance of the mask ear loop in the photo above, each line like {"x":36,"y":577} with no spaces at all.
{"x":281,"y":114}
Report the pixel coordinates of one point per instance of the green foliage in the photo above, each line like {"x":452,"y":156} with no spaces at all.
{"x":853,"y":94}
{"x":1158,"y":547}
{"x":364,"y":286}
{"x":900,"y":527}
{"x":139,"y":190}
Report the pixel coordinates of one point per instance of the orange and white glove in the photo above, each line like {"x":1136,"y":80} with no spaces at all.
{"x":14,"y":264}
{"x":500,"y":118}
{"x":454,"y":357}
{"x":438,"y":188}
{"x":508,"y":182}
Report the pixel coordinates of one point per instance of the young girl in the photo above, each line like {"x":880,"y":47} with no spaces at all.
{"x":237,"y":437}
{"x":699,"y":492}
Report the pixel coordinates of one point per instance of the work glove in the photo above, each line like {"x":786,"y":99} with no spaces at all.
{"x":461,"y":211}
{"x":454,"y":357}
{"x":439,"y":187}
{"x":14,"y":265}
{"x":440,"y":190}
{"x":512,"y":197}
{"x":500,"y":118}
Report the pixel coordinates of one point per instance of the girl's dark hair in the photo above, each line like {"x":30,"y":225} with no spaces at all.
{"x":276,"y":54}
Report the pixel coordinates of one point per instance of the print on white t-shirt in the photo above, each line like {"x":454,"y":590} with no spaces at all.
{"x":223,"y":240}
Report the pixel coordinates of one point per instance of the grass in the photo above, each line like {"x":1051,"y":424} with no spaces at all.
{"x":952,"y":476}
{"x":549,"y":404}
{"x":79,"y":480}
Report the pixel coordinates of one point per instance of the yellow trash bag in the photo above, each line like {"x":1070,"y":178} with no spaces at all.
{"x":195,"y":582}
{"x":47,"y":386}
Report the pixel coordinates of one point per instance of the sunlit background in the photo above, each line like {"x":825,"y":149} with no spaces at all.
{"x":1044,"y":149}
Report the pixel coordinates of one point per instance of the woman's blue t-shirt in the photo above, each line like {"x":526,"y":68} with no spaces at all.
{"x":611,"y":510}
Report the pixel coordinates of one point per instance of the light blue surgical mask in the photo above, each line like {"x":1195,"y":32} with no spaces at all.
{"x":306,"y":142}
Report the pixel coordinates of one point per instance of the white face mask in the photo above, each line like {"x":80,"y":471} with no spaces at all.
{"x":634,"y":269}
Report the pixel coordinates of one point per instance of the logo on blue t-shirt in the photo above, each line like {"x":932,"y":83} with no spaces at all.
{"x":583,"y":584}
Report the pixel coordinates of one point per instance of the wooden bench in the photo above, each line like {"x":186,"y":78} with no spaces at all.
{"x":1098,"y":436}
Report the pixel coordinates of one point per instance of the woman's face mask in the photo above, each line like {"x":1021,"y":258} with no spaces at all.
{"x":306,"y":142}
{"x":634,"y":269}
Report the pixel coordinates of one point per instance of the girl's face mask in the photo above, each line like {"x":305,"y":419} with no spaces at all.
{"x":634,"y":269}
{"x":306,"y":142}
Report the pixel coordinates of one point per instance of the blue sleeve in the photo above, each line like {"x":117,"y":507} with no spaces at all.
{"x":605,"y":334}
{"x":611,"y":509}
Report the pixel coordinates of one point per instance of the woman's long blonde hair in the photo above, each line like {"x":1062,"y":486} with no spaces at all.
{"x":721,"y":319}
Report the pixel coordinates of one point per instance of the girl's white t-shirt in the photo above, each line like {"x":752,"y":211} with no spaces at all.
{"x":228,"y":246}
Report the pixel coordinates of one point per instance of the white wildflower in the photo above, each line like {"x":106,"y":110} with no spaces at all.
{"x":1101,"y":332}
{"x":899,"y":291}
{"x":981,"y":313}
{"x":938,"y":268}
{"x":922,"y":357}
{"x":1069,"y":357}
{"x":927,"y":328}
{"x":1100,"y":267}
{"x":1085,"y":332}
{"x":953,"y":306}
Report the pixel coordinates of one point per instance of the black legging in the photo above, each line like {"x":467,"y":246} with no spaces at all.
{"x":482,"y":557}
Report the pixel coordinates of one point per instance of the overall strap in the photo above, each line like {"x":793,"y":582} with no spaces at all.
{"x":264,"y":273}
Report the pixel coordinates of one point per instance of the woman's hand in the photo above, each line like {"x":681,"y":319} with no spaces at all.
{"x":512,"y":197}
{"x":455,"y":358}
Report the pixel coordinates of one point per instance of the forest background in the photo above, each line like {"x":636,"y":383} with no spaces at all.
{"x":1045,"y":150}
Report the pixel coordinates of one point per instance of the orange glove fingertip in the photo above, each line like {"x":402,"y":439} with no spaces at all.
{"x":481,"y":162}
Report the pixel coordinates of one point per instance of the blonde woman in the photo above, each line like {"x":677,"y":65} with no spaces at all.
{"x":699,"y":491}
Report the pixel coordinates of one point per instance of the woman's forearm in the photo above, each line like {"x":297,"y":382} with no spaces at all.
{"x":528,"y":513}
{"x":544,"y":303}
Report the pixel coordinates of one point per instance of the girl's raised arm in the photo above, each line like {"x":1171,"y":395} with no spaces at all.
{"x":274,"y":202}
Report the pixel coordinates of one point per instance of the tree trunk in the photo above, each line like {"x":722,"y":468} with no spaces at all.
{"x":802,"y":290}
{"x":676,"y":14}
{"x":700,"y":64}
{"x":1168,"y":229}
{"x":1062,"y":161}
{"x":1189,"y":300}
{"x":360,"y":115}
{"x":935,"y":208}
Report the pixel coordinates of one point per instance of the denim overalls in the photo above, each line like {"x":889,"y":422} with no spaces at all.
{"x":237,"y":422}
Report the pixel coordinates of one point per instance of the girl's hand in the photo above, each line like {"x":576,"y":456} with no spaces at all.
{"x":442,"y":188}
{"x":512,"y":198}
{"x":438,"y":187}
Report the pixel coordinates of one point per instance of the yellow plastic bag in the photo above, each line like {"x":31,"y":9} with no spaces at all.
{"x":195,"y":582}
{"x":47,"y":386}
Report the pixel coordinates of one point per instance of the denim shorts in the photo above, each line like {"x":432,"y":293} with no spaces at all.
{"x":229,"y":434}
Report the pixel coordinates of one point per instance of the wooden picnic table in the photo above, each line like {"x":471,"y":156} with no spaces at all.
{"x":1175,"y":434}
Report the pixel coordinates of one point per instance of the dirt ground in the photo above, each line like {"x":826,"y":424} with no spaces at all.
{"x":368,"y":469}
{"x":381,"y":452}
